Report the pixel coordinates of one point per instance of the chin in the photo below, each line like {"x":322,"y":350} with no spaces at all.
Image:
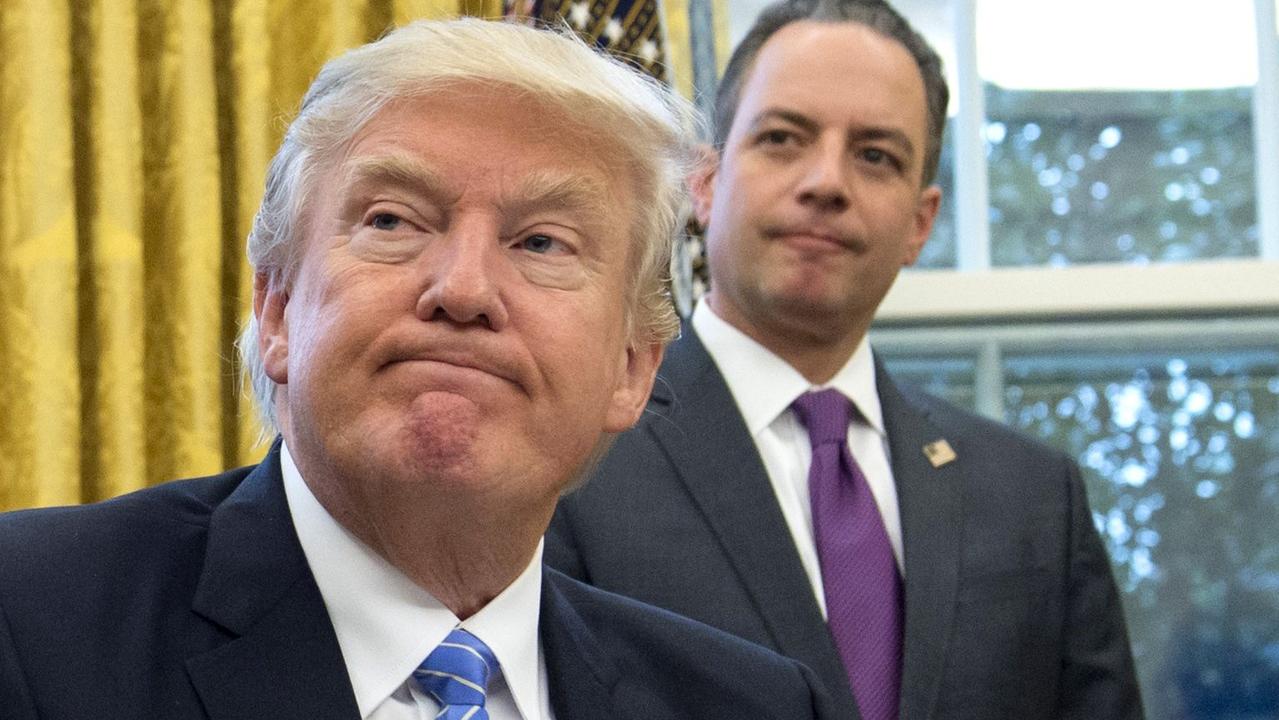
{"x":807,"y":300}
{"x":438,"y":445}
{"x":431,"y":433}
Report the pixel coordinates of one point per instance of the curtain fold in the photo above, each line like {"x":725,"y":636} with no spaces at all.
{"x":39,"y":315}
{"x":183,"y":243}
{"x":134,"y":141}
{"x":108,"y":190}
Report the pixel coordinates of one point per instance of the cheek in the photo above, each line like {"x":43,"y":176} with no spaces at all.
{"x":885,"y":219}
{"x":903,"y":209}
{"x":735,"y":198}
{"x":328,"y":339}
{"x":730,"y":256}
{"x":579,"y":345}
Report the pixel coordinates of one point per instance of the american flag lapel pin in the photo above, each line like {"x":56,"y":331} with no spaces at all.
{"x":939,"y":452}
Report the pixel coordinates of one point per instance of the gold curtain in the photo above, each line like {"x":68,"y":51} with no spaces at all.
{"x":134,"y":138}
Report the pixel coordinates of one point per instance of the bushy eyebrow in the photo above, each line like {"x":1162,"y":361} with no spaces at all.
{"x":802,"y":121}
{"x":548,"y":190}
{"x":395,"y":171}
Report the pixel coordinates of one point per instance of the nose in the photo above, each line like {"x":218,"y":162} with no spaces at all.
{"x":824,"y":182}
{"x":463,"y":279}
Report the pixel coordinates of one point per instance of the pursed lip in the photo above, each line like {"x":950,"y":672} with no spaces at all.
{"x":811,"y":237}
{"x":482,"y":361}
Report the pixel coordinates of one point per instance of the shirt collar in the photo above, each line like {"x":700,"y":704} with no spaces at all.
{"x":386,"y":624}
{"x":743,"y":361}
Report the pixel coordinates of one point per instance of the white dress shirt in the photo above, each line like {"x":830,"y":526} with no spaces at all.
{"x":764,"y":386}
{"x":386,"y":625}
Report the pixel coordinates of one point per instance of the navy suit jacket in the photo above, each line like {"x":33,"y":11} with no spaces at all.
{"x":1011,"y":609}
{"x":194,"y":599}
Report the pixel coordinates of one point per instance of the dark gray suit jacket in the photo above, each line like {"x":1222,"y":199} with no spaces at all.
{"x":1011,"y":609}
{"x":194,"y":600}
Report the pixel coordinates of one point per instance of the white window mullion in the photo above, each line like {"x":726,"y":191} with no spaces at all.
{"x":972,"y":194}
{"x":1265,"y":124}
{"x":989,"y":380}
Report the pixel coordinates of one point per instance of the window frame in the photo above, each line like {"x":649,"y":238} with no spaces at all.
{"x":972,"y":186}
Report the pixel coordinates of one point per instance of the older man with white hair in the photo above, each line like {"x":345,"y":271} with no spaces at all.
{"x":459,"y":298}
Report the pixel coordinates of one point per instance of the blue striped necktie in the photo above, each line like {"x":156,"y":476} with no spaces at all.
{"x":457,"y":674}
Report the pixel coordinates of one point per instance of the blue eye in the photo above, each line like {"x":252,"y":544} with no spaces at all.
{"x":385,"y":221}
{"x":539,"y":243}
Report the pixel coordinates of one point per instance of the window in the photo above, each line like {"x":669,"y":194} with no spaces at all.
{"x":1134,"y":150}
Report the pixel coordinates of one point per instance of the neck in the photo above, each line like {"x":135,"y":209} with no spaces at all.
{"x":461,"y":541}
{"x":464,"y":567}
{"x":416,"y":526}
{"x":816,"y":348}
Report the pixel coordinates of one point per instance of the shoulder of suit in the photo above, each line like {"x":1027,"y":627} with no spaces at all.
{"x":685,"y":361}
{"x":649,"y":626}
{"x":669,"y":660}
{"x":130,"y":531}
{"x":961,"y":425}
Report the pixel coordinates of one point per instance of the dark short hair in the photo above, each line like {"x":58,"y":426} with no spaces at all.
{"x":874,"y":14}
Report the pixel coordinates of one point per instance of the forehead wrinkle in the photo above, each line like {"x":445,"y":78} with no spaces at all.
{"x":397,"y":171}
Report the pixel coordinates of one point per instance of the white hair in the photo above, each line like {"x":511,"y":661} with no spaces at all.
{"x":650,"y":126}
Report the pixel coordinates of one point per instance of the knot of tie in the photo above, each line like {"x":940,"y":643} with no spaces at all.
{"x":457,"y":674}
{"x":826,"y":414}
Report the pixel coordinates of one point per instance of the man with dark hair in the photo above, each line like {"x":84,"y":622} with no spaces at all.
{"x":926,"y":562}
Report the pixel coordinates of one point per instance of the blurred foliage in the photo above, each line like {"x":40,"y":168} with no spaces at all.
{"x":1181,"y":459}
{"x":1131,"y":176}
{"x":950,"y":377}
{"x":1115,"y":176}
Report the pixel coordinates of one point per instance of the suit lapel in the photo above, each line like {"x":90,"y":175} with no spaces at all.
{"x":282,"y":659}
{"x":580,"y":675}
{"x":720,"y":467}
{"x":931,"y":503}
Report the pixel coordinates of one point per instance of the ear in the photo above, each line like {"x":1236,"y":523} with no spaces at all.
{"x":925,"y":213}
{"x":702,"y":183}
{"x":631,"y":394}
{"x":269,"y":301}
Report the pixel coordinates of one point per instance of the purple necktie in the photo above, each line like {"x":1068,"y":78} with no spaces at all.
{"x":859,"y":574}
